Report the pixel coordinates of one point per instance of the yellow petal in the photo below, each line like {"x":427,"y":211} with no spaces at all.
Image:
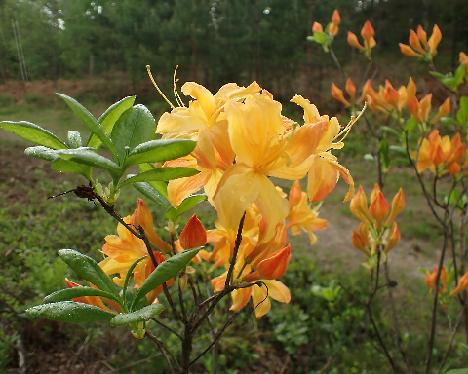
{"x":278,"y":291}
{"x":261,"y":301}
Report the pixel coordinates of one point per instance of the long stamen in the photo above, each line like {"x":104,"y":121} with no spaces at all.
{"x":351,"y":123}
{"x":176,"y":94}
{"x":148,"y":69}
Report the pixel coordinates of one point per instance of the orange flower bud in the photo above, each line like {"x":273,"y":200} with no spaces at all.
{"x":415,"y":43}
{"x":353,"y":41}
{"x":425,"y":107}
{"x":358,"y":205}
{"x":337,"y":94}
{"x":461,"y":286}
{"x":367,"y":32}
{"x":272,"y":267}
{"x":193,"y":234}
{"x":443,"y":111}
{"x":393,"y":238}
{"x":422,"y":36}
{"x":379,"y":206}
{"x":350,"y":88}
{"x":360,"y":239}
{"x":463,"y":58}
{"x":391,"y":95}
{"x":336,"y":19}
{"x":434,"y":40}
{"x":432,"y":277}
{"x":407,"y":51}
{"x":398,"y":204}
{"x":317,"y":27}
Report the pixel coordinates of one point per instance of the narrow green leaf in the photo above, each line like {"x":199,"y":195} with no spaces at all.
{"x":136,"y":125}
{"x":88,"y":120}
{"x":152,"y":193}
{"x":69,"y":311}
{"x":88,"y":269}
{"x":108,"y":119}
{"x":165,"y":271}
{"x":79,"y":291}
{"x":41,"y":152}
{"x":185,"y":205}
{"x":161,"y":174}
{"x":33,"y":133}
{"x":462,"y":113}
{"x":144,"y":314}
{"x":66,"y":166}
{"x":160,"y":150}
{"x":129,"y":274}
{"x":86,"y":156}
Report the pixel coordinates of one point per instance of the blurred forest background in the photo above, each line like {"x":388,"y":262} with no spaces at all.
{"x":212,"y":41}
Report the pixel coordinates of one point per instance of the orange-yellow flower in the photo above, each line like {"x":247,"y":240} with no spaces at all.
{"x":124,"y":249}
{"x":441,"y":153}
{"x":317,"y":27}
{"x":379,"y":207}
{"x":463,"y":58}
{"x":431,"y":278}
{"x":461,"y":286}
{"x":419,"y":46}
{"x":387,"y":98}
{"x":301,"y":216}
{"x":367,"y":33}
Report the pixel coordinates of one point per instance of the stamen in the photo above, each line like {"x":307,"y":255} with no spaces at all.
{"x":176,"y":94}
{"x":148,"y":69}
{"x":351,"y":123}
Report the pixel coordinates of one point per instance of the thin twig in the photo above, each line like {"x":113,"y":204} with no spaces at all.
{"x":168,"y":328}
{"x":165,"y":352}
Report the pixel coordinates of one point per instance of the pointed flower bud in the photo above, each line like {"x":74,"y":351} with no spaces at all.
{"x":398,"y":204}
{"x":461,"y":286}
{"x":272,"y":267}
{"x":359,"y":206}
{"x":193,"y":234}
{"x":379,"y":206}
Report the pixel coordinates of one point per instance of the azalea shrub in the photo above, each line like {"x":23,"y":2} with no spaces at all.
{"x":264,"y":176}
{"x":407,"y":127}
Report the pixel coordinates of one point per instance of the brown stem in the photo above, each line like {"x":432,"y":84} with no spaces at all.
{"x":370,"y":313}
{"x":164,"y":351}
{"x":237,"y":244}
{"x":435,"y":304}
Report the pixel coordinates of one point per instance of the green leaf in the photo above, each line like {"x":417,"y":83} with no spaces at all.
{"x":185,"y":205}
{"x":41,"y":152}
{"x":70,"y":293}
{"x":144,"y":314}
{"x":462,"y":113}
{"x":161,"y":174}
{"x":411,"y":124}
{"x":65,"y":166}
{"x":135,"y":126}
{"x":108,"y":119}
{"x":88,"y":120}
{"x":88,"y":269}
{"x":86,"y":156}
{"x":74,"y":139}
{"x":165,"y":271}
{"x":152,"y":193}
{"x":384,"y":153}
{"x":160,"y":150}
{"x":33,"y":133}
{"x":457,"y":371}
{"x":69,"y":311}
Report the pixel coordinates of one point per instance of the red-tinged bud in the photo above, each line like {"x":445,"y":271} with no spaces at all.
{"x":393,"y":238}
{"x":353,"y":41}
{"x":71,"y":284}
{"x":415,"y":43}
{"x":461,"y":286}
{"x":193,"y":234}
{"x":350,"y":88}
{"x":317,"y":27}
{"x":379,"y":206}
{"x":359,"y":206}
{"x":337,"y":94}
{"x":360,"y":239}
{"x":434,"y":40}
{"x":336,"y":19}
{"x":398,"y":204}
{"x":432,"y":277}
{"x":273,"y":267}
